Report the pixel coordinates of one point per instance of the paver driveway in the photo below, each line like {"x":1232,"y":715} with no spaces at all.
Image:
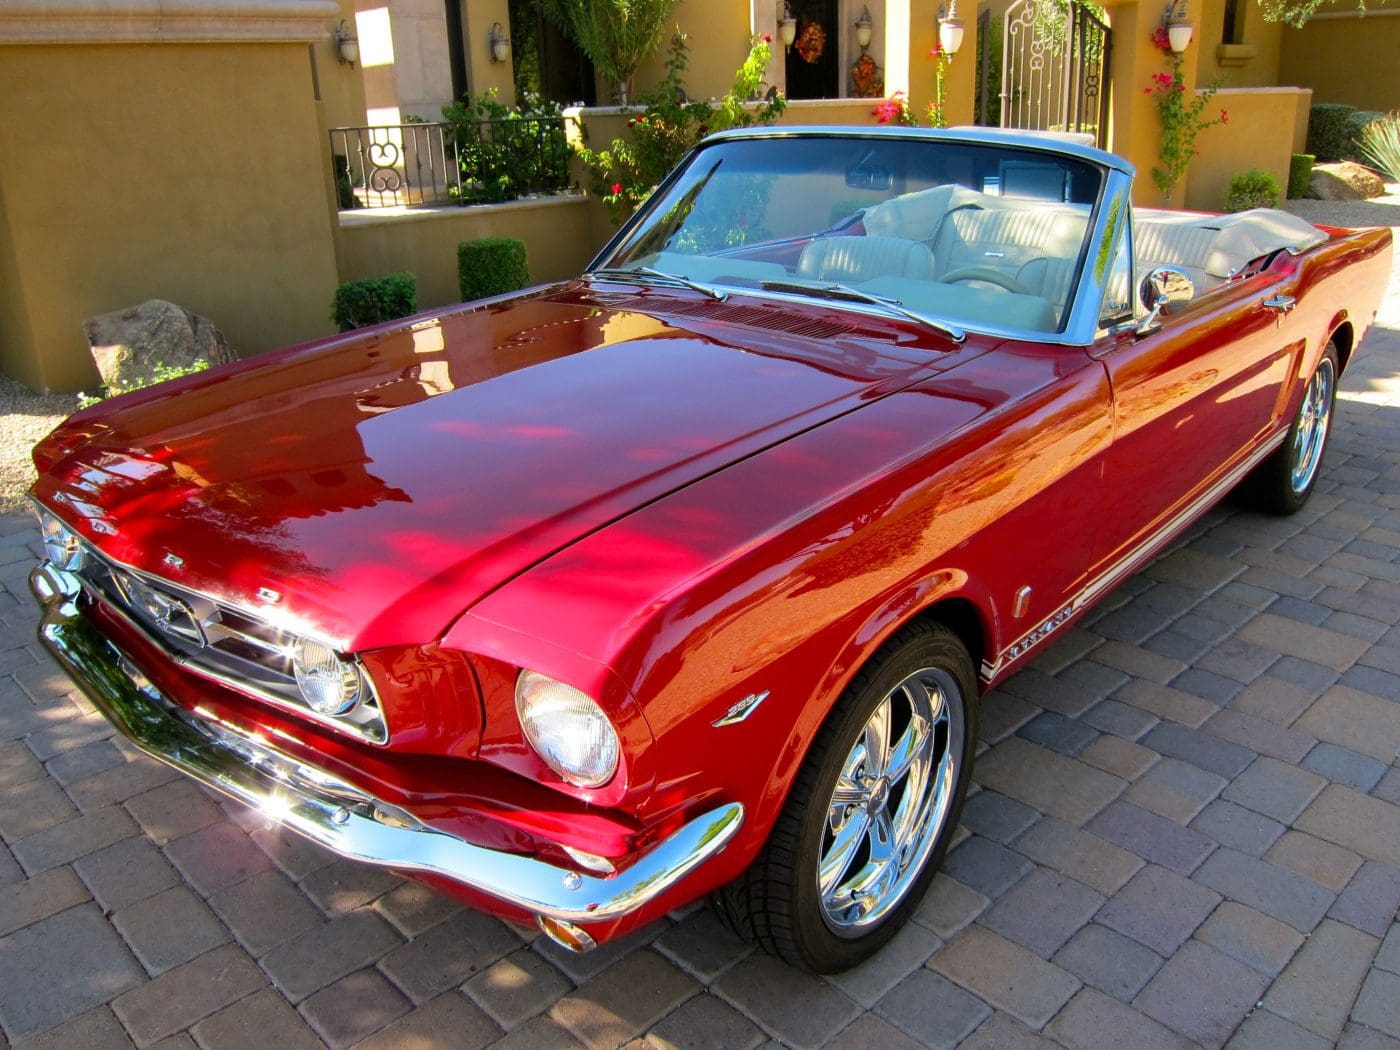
{"x":1187,"y":831}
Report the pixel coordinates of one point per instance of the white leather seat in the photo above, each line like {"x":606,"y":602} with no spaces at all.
{"x":856,"y":259}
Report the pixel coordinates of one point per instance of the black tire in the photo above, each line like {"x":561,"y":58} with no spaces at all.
{"x":778,"y":903}
{"x":1283,"y":482}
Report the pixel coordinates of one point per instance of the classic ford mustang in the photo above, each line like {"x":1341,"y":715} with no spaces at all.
{"x":685,"y":576}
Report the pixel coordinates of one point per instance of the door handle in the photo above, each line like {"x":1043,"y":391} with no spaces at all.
{"x":1280,"y":303}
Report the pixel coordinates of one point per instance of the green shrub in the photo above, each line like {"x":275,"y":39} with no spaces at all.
{"x":1380,"y":145}
{"x":345,"y":198}
{"x":161,"y":373}
{"x":506,"y":153}
{"x":1328,"y":135}
{"x":491,"y":266}
{"x":1252,"y":189}
{"x":1357,"y":124}
{"x":1300,"y":167}
{"x":375,"y":299}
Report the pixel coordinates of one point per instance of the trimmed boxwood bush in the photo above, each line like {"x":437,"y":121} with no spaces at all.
{"x":375,"y":299}
{"x":1300,"y":167}
{"x":1329,"y":138}
{"x":1252,"y":189}
{"x":491,"y":266}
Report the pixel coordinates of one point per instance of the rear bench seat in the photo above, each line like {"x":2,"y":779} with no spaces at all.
{"x":1212,"y":248}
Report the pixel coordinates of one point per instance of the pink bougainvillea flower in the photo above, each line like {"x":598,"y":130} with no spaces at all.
{"x":767,"y":38}
{"x":616,"y":188}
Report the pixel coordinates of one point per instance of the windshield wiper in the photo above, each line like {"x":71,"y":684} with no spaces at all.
{"x":835,"y":290}
{"x":654,"y":276}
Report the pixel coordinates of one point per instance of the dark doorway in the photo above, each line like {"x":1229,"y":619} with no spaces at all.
{"x":822,"y":78}
{"x":456,"y":51}
{"x":548,"y":63}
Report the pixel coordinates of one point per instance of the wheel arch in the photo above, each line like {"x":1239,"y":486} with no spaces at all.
{"x":1343,"y":337}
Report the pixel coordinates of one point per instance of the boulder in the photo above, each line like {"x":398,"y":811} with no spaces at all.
{"x":128,"y":345}
{"x":1344,"y":181}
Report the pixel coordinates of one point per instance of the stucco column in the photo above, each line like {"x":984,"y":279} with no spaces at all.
{"x":483,"y":72}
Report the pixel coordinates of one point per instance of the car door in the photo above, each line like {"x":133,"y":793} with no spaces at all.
{"x":1193,"y":401}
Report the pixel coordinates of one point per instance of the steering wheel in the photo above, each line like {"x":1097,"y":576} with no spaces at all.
{"x":988,"y":274}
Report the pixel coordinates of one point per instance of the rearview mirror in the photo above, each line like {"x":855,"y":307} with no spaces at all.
{"x":1163,"y":287}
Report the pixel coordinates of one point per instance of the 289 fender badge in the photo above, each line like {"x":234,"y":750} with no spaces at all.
{"x":741,"y":710}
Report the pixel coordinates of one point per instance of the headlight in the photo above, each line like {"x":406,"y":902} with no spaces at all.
{"x":61,"y":545}
{"x":567,"y":729}
{"x":330,"y":685}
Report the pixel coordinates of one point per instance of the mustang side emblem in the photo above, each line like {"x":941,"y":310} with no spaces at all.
{"x":173,"y":560}
{"x":741,"y":710}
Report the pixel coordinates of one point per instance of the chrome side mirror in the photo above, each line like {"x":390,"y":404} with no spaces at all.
{"x":1164,"y":286}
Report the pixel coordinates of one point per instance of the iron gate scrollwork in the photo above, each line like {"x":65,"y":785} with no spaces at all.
{"x":1055,"y":67}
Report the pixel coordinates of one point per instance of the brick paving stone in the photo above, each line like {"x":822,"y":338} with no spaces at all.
{"x":542,"y":1034}
{"x":1043,"y":911}
{"x":867,"y":1031}
{"x":1108,"y":961}
{"x":264,"y":912}
{"x":701,"y":945}
{"x":1291,"y":898}
{"x":33,"y":900}
{"x":1092,"y":679}
{"x":216,"y":857}
{"x":1316,"y":644}
{"x":1151,"y":837}
{"x":1201,"y":993}
{"x":986,"y":867}
{"x":1049,"y":693}
{"x":1355,"y":720}
{"x":514,"y":989}
{"x":67,"y":735}
{"x":172,"y":811}
{"x":1002,"y":714}
{"x":1274,"y":699}
{"x":187,"y":994}
{"x":1068,"y":736}
{"x":1067,"y":650}
{"x":1365,"y":825}
{"x":794,"y":1007}
{"x":1122,"y":758}
{"x":125,"y":872}
{"x":413,"y":908}
{"x":262,"y":1019}
{"x":1175,"y":790}
{"x":1318,"y":987}
{"x":1046,"y":781}
{"x":932,"y":1009}
{"x":34,"y":806}
{"x":1371,"y":898}
{"x":1388,"y":958}
{"x":1345,"y":766}
{"x":1310,"y":857}
{"x":1255,"y":939}
{"x":76,"y":838}
{"x":1235,"y":826}
{"x":97,"y":1029}
{"x":1201,"y":749}
{"x":448,"y":954}
{"x":1083,"y":856}
{"x":1207,"y":685}
{"x":120,"y":783}
{"x":1239,"y":659}
{"x":1166,"y":703}
{"x":1005,"y":975}
{"x":357,"y":1006}
{"x":579,"y":968}
{"x":294,"y":855}
{"x":1119,"y":719}
{"x":1093,"y":1020}
{"x":1378,"y":1005}
{"x":1388,"y":787}
{"x":948,"y":906}
{"x":906,"y":953}
{"x":168,"y":929}
{"x":1138,"y":662}
{"x":345,"y":885}
{"x":994,"y":816}
{"x":1179,"y":645}
{"x":1259,"y":734}
{"x":17,"y":765}
{"x":1159,"y":909}
{"x":328,"y":953}
{"x":1003,"y":1032}
{"x":1265,"y":1031}
{"x":1274,"y":789}
{"x":707,"y":1020}
{"x":1310,"y":676}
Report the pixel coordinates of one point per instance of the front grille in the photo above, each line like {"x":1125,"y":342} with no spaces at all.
{"x":220,"y":642}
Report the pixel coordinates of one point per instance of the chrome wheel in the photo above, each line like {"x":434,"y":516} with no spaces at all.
{"x":1314,"y":417}
{"x":896,"y":788}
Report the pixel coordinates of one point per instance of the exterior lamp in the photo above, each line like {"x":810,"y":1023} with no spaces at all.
{"x":347,"y":48}
{"x":787,"y":27}
{"x":950,"y":30}
{"x":864,"y":28}
{"x":497,"y":43}
{"x":1178,"y":26}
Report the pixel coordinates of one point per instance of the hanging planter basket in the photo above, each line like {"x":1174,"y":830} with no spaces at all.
{"x":811,"y":42}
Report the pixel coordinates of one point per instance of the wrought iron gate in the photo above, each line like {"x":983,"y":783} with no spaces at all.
{"x":1055,"y":67}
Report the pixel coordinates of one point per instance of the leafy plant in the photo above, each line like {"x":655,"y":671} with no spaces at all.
{"x":1380,"y":144}
{"x":345,"y":198}
{"x":491,"y":266}
{"x":1252,"y":189}
{"x":161,"y":373}
{"x":1356,"y":127}
{"x":1328,"y":138}
{"x":625,"y":174}
{"x":375,"y":299}
{"x":617,"y":35}
{"x":1300,"y":166}
{"x":506,"y":153}
{"x":1181,"y":122}
{"x":1296,"y":12}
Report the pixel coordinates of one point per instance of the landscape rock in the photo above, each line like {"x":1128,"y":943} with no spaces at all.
{"x":1344,"y":181}
{"x":128,"y":345}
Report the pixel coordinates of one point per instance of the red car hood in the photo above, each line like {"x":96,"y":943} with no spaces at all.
{"x":382,"y":482}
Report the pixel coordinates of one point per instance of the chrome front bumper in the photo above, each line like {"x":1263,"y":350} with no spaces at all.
{"x":336,"y":815}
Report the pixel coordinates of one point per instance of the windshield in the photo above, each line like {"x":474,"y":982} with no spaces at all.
{"x":978,"y":235}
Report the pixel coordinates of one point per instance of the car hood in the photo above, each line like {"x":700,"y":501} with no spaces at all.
{"x":375,"y":485}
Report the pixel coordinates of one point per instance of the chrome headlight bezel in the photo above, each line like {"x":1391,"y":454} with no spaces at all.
{"x":62,"y":546}
{"x":330,"y":684}
{"x":567,"y":729}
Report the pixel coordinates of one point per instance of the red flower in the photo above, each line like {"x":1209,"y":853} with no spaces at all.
{"x":1224,"y":116}
{"x":767,"y":38}
{"x":616,"y":188}
{"x":1147,"y":91}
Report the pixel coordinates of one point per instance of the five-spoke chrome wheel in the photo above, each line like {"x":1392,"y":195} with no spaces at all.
{"x":1310,"y":434}
{"x":893,"y":796}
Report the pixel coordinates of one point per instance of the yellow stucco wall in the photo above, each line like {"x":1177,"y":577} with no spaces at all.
{"x":1355,"y":61}
{"x":185,"y":172}
{"x":1259,"y":135}
{"x":717,"y":33}
{"x":1252,"y":63}
{"x":342,"y":85}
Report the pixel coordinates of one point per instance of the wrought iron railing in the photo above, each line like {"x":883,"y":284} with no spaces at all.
{"x":398,"y":165}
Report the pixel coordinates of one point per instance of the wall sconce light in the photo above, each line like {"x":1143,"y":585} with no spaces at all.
{"x":497,"y":43}
{"x":1178,"y":26}
{"x":950,"y":30}
{"x":864,"y":29}
{"x":347,"y":48}
{"x":787,"y":26}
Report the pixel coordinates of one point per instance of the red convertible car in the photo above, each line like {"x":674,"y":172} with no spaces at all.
{"x":685,"y":576}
